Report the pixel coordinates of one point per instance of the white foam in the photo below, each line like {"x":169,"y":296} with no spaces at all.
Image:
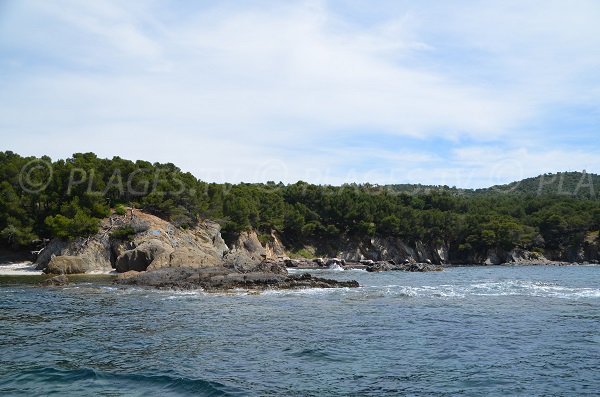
{"x":112,"y":271}
{"x":305,"y":291}
{"x":19,"y":269}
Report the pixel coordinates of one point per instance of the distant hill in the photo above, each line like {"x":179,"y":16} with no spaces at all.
{"x":576,"y":184}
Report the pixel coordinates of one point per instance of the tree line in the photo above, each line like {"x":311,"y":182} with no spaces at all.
{"x":41,"y":198}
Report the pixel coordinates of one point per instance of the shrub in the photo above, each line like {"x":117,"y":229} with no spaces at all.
{"x":123,"y":233}
{"x":120,"y":209}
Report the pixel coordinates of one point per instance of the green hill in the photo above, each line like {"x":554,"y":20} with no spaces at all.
{"x":576,"y":184}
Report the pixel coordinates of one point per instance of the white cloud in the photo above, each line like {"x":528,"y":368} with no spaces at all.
{"x":251,"y":92}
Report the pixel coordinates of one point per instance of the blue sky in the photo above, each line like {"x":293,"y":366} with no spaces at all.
{"x":463,"y":93}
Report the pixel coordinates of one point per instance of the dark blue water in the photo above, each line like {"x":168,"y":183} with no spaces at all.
{"x":474,"y":331}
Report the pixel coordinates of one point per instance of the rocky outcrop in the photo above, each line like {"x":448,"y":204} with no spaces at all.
{"x":220,"y":279}
{"x":155,"y":244}
{"x":94,"y":252}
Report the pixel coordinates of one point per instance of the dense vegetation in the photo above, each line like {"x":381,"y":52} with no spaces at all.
{"x":69,"y":198}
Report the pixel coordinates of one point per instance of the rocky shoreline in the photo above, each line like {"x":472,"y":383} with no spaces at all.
{"x":156,"y":253}
{"x":217,"y":280}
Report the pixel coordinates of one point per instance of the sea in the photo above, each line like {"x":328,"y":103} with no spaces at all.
{"x":466,"y":331}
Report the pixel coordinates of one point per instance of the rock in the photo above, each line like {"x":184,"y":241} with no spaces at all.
{"x":243,"y":265}
{"x":271,"y":266}
{"x":333,"y":261}
{"x":274,"y":248}
{"x":319,"y":261}
{"x":152,"y":252}
{"x":213,"y":229}
{"x":152,"y":246}
{"x":493,"y":258}
{"x":54,"y":248}
{"x":246,"y":252}
{"x":220,"y":279}
{"x":187,"y":257}
{"x":422,"y":267}
{"x":56,"y":281}
{"x":382,"y":266}
{"x":66,"y":265}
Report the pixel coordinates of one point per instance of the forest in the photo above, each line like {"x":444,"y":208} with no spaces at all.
{"x":42,"y":199}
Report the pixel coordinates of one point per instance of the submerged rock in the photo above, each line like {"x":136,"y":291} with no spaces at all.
{"x":221,"y":279}
{"x":56,"y":281}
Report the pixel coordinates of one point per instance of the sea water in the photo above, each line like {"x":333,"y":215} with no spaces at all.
{"x":466,"y":331}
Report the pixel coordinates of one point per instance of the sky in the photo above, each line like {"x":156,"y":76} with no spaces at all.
{"x":457,"y":93}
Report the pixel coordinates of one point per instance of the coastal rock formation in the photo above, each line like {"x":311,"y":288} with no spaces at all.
{"x":394,"y":249}
{"x":219,"y":279}
{"x":154,"y":244}
{"x":94,"y":252}
{"x":383,"y":266}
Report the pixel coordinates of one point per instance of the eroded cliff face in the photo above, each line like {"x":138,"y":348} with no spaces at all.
{"x":390,"y":248}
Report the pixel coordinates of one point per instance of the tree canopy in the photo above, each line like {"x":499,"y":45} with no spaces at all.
{"x":68,"y":198}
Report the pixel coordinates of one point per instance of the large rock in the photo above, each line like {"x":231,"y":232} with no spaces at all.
{"x":95,"y":252}
{"x":385,"y":266}
{"x":66,"y":265}
{"x":152,"y":252}
{"x":220,"y":279}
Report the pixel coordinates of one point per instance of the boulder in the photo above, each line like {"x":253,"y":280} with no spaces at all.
{"x":66,"y":265}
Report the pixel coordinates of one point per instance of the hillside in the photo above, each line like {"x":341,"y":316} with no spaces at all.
{"x":68,"y":199}
{"x":578,"y":184}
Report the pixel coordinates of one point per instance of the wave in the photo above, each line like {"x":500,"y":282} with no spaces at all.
{"x":484,"y":288}
{"x":87,"y":381}
{"x":19,"y":269}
